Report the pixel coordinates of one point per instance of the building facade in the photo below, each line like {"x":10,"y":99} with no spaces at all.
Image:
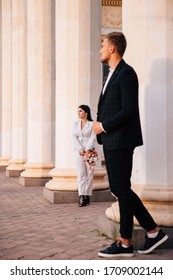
{"x":50,"y":64}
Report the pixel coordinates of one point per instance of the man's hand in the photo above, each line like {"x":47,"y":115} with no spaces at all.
{"x":81,"y":152}
{"x":97,"y":127}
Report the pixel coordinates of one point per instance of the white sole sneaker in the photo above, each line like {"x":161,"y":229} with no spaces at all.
{"x":154,"y":246}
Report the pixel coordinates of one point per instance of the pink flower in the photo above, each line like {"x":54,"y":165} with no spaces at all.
{"x":91,"y":157}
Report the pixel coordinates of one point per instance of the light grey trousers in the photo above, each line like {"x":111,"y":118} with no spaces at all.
{"x":84,"y":176}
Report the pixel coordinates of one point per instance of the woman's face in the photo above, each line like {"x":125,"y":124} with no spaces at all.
{"x":82,"y":114}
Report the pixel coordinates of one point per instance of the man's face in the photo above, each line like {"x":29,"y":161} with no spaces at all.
{"x":105,"y":51}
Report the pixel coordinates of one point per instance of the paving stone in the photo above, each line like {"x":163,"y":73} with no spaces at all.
{"x":31,"y":228}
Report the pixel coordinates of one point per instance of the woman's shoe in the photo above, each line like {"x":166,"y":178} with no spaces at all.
{"x":82,"y":201}
{"x":87,"y":199}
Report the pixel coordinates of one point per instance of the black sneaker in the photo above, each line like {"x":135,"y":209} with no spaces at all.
{"x":152,"y":243}
{"x":116,"y":250}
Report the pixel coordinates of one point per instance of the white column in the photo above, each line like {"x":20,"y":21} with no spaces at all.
{"x":40,"y":117}
{"x":148,"y":27}
{"x":5,"y":154}
{"x":78,"y":82}
{"x":19,"y":88}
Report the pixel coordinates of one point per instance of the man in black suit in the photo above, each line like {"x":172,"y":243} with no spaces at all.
{"x":118,"y":128}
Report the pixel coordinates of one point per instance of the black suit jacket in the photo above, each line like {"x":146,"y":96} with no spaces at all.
{"x":118,"y":110}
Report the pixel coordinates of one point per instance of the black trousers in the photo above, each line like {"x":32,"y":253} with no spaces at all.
{"x":119,"y":168}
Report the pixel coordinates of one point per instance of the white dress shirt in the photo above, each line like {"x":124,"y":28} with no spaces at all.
{"x":108,"y":78}
{"x":105,"y":85}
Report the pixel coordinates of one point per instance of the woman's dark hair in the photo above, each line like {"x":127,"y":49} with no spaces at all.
{"x":87,"y":110}
{"x":118,"y":40}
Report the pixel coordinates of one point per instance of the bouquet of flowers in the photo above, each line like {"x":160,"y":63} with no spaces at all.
{"x":91,"y":157}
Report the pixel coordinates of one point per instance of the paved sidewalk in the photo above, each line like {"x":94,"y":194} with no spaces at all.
{"x":31,"y":228}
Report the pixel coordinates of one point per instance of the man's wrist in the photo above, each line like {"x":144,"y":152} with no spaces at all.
{"x":102,"y":127}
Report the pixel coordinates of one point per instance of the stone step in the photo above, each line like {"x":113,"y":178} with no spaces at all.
{"x":110,"y":229}
{"x":60,"y":197}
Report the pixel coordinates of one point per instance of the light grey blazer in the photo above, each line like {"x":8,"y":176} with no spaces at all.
{"x":83,"y":138}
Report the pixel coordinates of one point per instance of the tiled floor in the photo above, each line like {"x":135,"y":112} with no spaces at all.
{"x":33,"y":229}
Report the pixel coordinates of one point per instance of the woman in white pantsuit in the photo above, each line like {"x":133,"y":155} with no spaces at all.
{"x":83,"y":139}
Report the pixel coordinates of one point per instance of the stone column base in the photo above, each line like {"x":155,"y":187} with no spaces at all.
{"x":63,"y":187}
{"x":14,"y":168}
{"x":33,"y":182}
{"x":13,"y":173}
{"x":65,"y":179}
{"x":35,"y":174}
{"x":3,"y":167}
{"x":4,"y":161}
{"x":157,"y":199}
{"x":62,"y":197}
{"x":110,"y":229}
